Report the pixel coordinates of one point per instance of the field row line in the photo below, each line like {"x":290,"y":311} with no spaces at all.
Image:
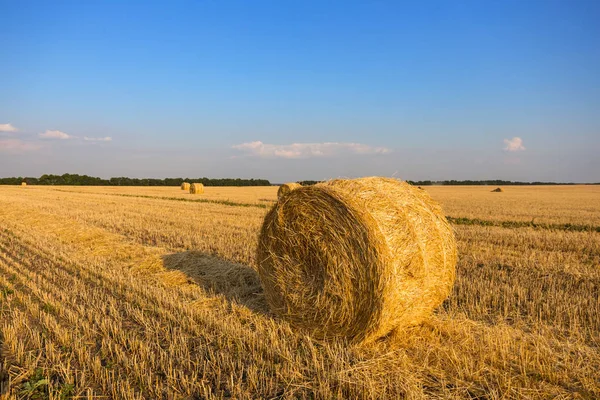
{"x":523,"y":224}
{"x":122,"y":286}
{"x":229,"y":353}
{"x":146,"y":327}
{"x":190,"y":310}
{"x":60,"y":335}
{"x":453,"y":220}
{"x":149,"y":331}
{"x":142,"y":196}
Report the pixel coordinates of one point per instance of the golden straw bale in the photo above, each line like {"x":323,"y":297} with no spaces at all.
{"x":185,"y":186}
{"x":196,"y":188}
{"x":23,"y":183}
{"x":286,"y":188}
{"x":356,"y":258}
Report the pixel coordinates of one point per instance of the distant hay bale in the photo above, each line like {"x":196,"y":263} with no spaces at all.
{"x":356,"y":258}
{"x":196,"y":188}
{"x":286,"y":188}
{"x":185,"y":186}
{"x":497,"y":190}
{"x":23,"y":183}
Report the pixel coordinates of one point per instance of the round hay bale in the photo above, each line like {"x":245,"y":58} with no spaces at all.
{"x":185,"y":186}
{"x":196,"y":188}
{"x":356,"y":258}
{"x":497,"y":190}
{"x":286,"y":188}
{"x":23,"y":183}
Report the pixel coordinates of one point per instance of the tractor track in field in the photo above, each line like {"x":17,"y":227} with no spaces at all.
{"x":143,"y":196}
{"x":134,"y":327}
{"x":453,"y":220}
{"x":523,"y":224}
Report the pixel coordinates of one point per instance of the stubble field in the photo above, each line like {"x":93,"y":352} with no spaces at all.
{"x":130,"y":293}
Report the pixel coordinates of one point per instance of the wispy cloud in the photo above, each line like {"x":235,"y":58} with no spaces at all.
{"x":514,"y":144}
{"x":7,"y":128}
{"x":99,"y":139}
{"x":17,"y":146}
{"x":307,"y":150}
{"x":55,"y":135}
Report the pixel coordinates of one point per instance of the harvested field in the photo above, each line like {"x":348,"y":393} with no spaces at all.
{"x":252,"y":195}
{"x":102,"y":293}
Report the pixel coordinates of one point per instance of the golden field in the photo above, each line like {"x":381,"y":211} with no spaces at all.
{"x":131,"y":293}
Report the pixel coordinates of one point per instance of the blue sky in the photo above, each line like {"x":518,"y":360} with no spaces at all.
{"x":301,"y":90}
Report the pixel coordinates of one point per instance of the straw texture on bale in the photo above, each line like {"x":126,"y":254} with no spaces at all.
{"x":196,"y":188}
{"x":286,"y":188}
{"x":356,"y":258}
{"x":498,"y":190}
{"x":185,"y":186}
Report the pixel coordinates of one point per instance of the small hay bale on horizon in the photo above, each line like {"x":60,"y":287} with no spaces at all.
{"x":185,"y":186}
{"x":356,"y":259}
{"x":497,"y":190}
{"x":23,"y":183}
{"x":286,"y":188}
{"x":196,"y":188}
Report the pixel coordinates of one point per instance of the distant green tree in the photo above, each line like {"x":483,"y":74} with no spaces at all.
{"x":85,"y":180}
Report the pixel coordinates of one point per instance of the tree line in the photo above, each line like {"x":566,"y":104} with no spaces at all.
{"x":85,"y":180}
{"x":494,"y":182}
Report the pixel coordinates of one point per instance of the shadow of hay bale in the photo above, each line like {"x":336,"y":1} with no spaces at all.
{"x":236,"y":282}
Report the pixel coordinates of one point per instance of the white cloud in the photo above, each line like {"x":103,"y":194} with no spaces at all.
{"x":100,"y":139}
{"x":514,"y":144}
{"x":55,"y":135}
{"x":307,"y":150}
{"x":7,"y":128}
{"x":17,"y":146}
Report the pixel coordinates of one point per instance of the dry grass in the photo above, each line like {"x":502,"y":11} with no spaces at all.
{"x":105,"y":295}
{"x":575,"y":204}
{"x":333,"y":261}
{"x":544,"y":204}
{"x":256,"y":195}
